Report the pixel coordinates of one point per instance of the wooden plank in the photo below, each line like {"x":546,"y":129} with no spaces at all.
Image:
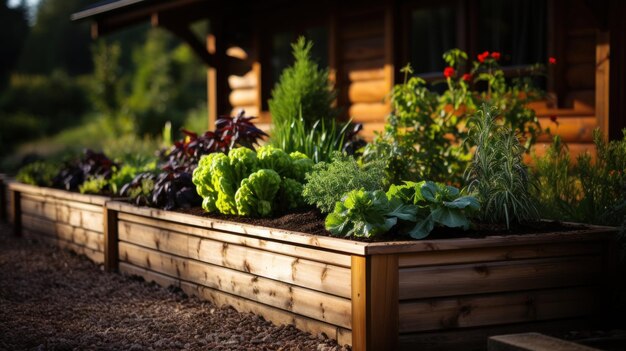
{"x":242,"y":97}
{"x":344,"y":337}
{"x":497,"y":309}
{"x":499,"y":276}
{"x":161,"y":239}
{"x":359,"y":302}
{"x":320,"y":306}
{"x":148,"y":275}
{"x":76,"y":235}
{"x":375,"y":302}
{"x":363,"y":49}
{"x":275,"y":315}
{"x":93,"y":255}
{"x":16,"y":210}
{"x":3,"y":199}
{"x":533,"y":342}
{"x":111,"y":250}
{"x":382,"y":292}
{"x":362,"y":29}
{"x":60,"y":194}
{"x":39,"y":208}
{"x":571,"y":129}
{"x":78,"y":205}
{"x":371,"y":91}
{"x":293,"y":270}
{"x":247,"y":81}
{"x":368,"y":112}
{"x":145,"y":236}
{"x":589,"y":233}
{"x":601,"y":92}
{"x":308,"y":240}
{"x":249,"y":111}
{"x":498,"y":254}
{"x":475,"y":338}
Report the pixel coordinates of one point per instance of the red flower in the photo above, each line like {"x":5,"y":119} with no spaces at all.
{"x":448,"y":72}
{"x":482,"y":57}
{"x":495,"y":55}
{"x":467,"y":77}
{"x":552,"y":61}
{"x":553,"y":119}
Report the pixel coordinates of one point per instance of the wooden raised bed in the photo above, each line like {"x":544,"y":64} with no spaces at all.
{"x":69,"y":220}
{"x":4,"y":198}
{"x":432,"y":294}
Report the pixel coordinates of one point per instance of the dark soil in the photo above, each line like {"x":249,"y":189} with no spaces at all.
{"x":312,"y":222}
{"x":54,"y":300}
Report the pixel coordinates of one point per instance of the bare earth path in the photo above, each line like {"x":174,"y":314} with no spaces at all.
{"x":54,"y":300}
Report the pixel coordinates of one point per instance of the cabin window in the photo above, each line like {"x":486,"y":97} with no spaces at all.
{"x":515,"y":28}
{"x":433,"y":31}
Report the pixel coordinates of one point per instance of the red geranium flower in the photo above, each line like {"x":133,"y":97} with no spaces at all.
{"x":448,"y":72}
{"x":495,"y":55}
{"x":467,"y":77}
{"x":552,"y":61}
{"x":482,"y":57}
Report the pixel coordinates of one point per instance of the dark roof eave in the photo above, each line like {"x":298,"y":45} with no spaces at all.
{"x":103,"y":9}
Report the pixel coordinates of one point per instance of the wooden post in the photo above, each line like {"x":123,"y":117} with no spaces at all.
{"x":111,"y":254}
{"x":17,"y":212}
{"x":3,"y":200}
{"x":617,"y":72}
{"x":375,"y":320}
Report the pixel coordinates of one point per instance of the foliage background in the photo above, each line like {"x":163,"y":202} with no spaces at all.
{"x":61,"y":91}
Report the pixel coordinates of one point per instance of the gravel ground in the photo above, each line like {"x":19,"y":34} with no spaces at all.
{"x":54,"y":300}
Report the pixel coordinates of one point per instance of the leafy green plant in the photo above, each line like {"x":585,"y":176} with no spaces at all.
{"x":249,"y":183}
{"x":329,"y":181}
{"x":367,"y":214}
{"x":424,"y":134}
{"x":38,"y":173}
{"x":414,"y":209}
{"x":585,"y":191}
{"x":497,"y":174}
{"x":437,"y":205}
{"x":94,"y":185}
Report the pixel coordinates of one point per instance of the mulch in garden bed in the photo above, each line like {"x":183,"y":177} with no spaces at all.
{"x":51,"y":299}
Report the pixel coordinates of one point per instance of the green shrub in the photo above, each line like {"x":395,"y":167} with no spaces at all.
{"x":497,"y":174}
{"x":303,"y":87}
{"x":38,"y":173}
{"x":329,"y":181}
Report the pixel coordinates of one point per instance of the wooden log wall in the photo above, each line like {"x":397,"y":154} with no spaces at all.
{"x":454,"y":299}
{"x":364,"y":64}
{"x":68,"y":220}
{"x":228,"y":264}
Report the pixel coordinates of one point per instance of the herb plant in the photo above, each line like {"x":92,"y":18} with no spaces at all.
{"x":588,"y":191}
{"x":497,"y":174}
{"x":329,"y":181}
{"x":90,"y":166}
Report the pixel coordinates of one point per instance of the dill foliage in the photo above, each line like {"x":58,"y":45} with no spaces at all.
{"x":497,"y":174}
{"x":330,"y":181}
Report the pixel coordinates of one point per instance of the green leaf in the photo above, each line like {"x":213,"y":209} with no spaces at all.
{"x":463,"y":202}
{"x":422,"y":229}
{"x":450,"y":217}
{"x":405,"y":212}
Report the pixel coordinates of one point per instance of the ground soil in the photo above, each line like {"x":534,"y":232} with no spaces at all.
{"x":54,"y":300}
{"x":312,"y":222}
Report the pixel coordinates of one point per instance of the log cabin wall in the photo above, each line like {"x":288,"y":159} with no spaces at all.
{"x":364,"y":41}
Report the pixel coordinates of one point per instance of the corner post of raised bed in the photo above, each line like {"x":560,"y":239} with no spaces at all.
{"x":375,"y":285}
{"x":3,"y":199}
{"x":111,"y":253}
{"x":16,"y":208}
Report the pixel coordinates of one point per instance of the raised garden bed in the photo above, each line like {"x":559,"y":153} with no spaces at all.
{"x":70,"y":220}
{"x":432,"y":294}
